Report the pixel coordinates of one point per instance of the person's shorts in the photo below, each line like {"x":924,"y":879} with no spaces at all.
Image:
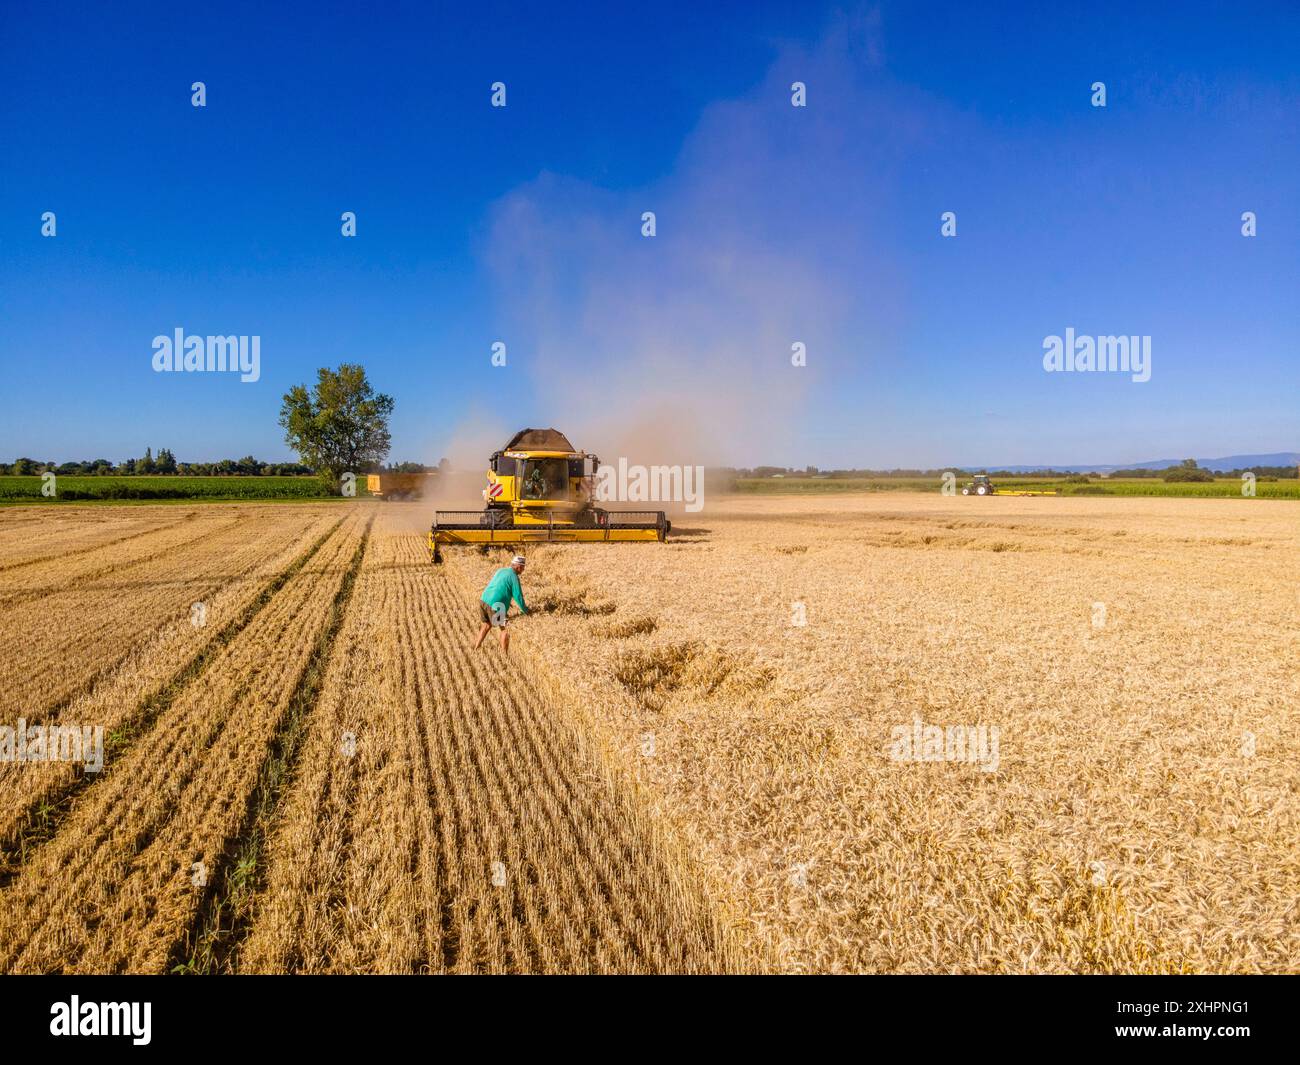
{"x":492,"y":615}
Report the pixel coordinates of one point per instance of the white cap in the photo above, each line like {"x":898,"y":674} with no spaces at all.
{"x":518,"y":560}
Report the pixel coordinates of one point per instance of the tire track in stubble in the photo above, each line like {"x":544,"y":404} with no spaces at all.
{"x":133,"y":825}
{"x":221,"y":922}
{"x":44,"y":813}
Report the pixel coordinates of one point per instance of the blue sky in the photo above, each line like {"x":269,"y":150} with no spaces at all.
{"x":775,"y":224}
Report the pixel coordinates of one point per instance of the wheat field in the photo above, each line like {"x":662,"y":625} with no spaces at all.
{"x":887,"y":733}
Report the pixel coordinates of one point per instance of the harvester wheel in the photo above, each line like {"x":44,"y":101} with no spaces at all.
{"x":982,"y":490}
{"x":965,"y":491}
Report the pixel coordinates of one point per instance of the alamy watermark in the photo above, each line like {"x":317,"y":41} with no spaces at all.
{"x":1108,"y":354}
{"x":919,"y":742}
{"x":627,"y":483}
{"x":77,"y":1018}
{"x":179,"y":353}
{"x":53,"y":743}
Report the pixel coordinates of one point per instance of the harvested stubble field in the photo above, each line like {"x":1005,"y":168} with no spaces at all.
{"x":686,"y":763}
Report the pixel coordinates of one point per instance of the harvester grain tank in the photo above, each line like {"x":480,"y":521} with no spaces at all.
{"x":541,"y":489}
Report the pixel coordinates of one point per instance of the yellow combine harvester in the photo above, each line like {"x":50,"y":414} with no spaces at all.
{"x":540,"y":489}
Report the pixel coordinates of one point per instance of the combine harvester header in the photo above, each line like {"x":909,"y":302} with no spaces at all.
{"x":540,"y":489}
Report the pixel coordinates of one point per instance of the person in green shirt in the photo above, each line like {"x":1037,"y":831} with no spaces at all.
{"x":494,"y":603}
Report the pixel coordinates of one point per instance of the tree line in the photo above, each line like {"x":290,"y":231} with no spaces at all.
{"x":165,"y":464}
{"x":162,"y":464}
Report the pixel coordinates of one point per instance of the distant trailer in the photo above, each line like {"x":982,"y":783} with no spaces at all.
{"x":396,"y":487}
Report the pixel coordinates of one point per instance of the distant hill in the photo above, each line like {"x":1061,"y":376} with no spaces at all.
{"x":1228,"y":462}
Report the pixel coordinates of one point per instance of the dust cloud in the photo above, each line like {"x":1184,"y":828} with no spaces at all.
{"x":679,"y":349}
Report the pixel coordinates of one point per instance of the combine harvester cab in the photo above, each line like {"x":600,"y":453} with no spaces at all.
{"x":541,"y":490}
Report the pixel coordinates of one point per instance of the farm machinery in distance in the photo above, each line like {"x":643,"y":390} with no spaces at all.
{"x":980,"y":485}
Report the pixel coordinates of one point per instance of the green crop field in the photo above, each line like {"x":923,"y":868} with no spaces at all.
{"x":125,"y":489}
{"x":802,"y":485}
{"x":1226,"y":487}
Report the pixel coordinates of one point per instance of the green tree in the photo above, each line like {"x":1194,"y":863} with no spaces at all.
{"x":24,"y":467}
{"x":147,"y":464}
{"x":166,"y":462}
{"x":340,"y":426}
{"x":1187,"y":470}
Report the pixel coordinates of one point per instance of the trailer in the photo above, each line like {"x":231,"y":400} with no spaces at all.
{"x":396,"y":487}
